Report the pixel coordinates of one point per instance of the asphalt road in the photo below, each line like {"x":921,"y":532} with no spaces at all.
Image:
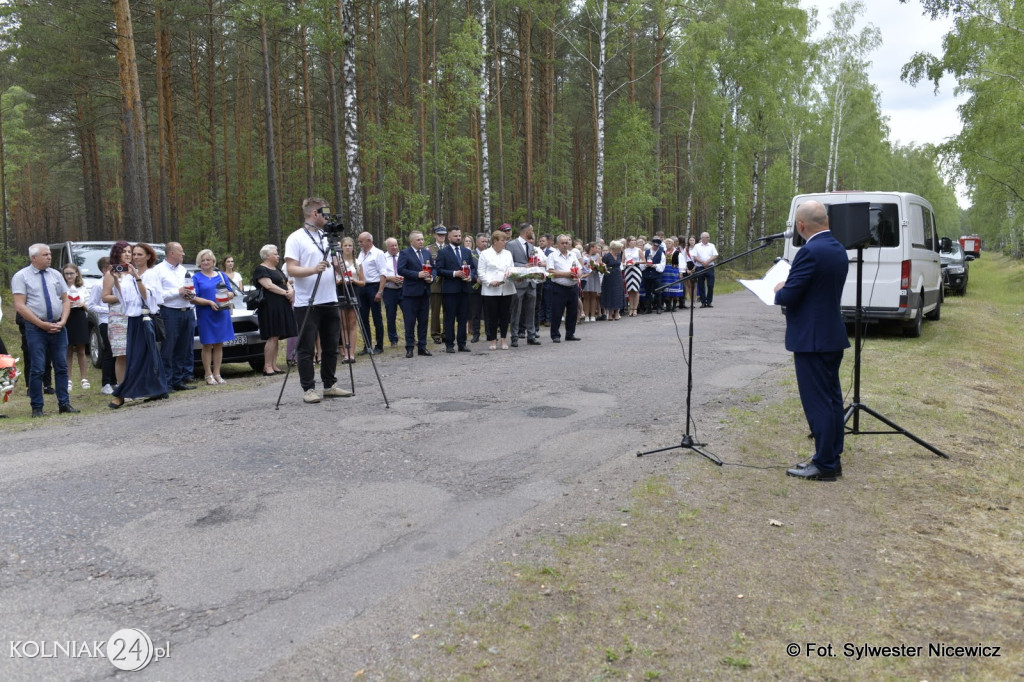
{"x":237,"y":534}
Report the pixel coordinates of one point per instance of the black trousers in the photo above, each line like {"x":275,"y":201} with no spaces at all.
{"x":476,"y":307}
{"x":368,"y":305}
{"x":392,"y":300}
{"x":456,"y":314}
{"x":564,"y":301}
{"x":416,"y":312}
{"x":325,"y":321}
{"x":106,"y":358}
{"x":652,"y":300}
{"x":497,"y":310}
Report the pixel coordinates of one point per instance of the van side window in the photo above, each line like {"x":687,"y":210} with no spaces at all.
{"x":885,"y":225}
{"x":931,"y":239}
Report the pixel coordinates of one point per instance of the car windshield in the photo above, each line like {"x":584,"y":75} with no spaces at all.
{"x":88,"y":255}
{"x":954,"y":255}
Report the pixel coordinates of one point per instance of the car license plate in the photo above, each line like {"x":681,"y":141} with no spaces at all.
{"x":237,"y":341}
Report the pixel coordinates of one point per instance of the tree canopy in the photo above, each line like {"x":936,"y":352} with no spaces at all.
{"x":678,"y":117}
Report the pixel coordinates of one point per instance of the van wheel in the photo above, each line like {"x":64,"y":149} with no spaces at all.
{"x":937,"y":313}
{"x":913,"y":330}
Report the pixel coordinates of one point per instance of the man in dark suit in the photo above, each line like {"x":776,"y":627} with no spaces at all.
{"x":456,"y":285}
{"x":816,"y":335}
{"x":525,"y":301}
{"x":416,"y":265}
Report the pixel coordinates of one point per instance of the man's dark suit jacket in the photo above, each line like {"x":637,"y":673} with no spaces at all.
{"x":409,"y":267}
{"x":447,"y":263}
{"x":813,"y":296}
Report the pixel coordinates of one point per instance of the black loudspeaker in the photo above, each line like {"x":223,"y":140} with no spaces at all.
{"x":850,"y":224}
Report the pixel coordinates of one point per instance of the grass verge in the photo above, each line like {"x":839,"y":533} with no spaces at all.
{"x":714,"y":573}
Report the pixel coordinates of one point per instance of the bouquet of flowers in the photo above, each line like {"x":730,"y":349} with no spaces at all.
{"x":600,"y":266}
{"x":518,"y":274}
{"x":8,"y":375}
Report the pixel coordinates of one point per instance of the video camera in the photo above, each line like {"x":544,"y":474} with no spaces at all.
{"x":334,"y":229}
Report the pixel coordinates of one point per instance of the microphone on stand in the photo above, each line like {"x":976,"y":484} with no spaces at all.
{"x":772,"y":237}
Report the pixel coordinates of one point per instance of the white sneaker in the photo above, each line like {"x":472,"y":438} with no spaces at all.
{"x":71,"y":386}
{"x":336,"y":392}
{"x":107,"y":389}
{"x":86,"y":385}
{"x":311,"y":396}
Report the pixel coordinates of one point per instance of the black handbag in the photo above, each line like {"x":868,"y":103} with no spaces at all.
{"x":254,"y":298}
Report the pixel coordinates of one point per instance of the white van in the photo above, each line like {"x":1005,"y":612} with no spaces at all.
{"x":902,"y":271}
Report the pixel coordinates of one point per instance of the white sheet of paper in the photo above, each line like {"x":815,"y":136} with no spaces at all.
{"x":764,"y":288}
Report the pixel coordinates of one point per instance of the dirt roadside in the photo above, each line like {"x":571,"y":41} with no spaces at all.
{"x":668,"y":567}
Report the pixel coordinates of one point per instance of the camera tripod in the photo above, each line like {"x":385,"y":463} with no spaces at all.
{"x":349,"y":291}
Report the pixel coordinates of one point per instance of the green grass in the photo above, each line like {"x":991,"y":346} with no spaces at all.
{"x":907,"y":548}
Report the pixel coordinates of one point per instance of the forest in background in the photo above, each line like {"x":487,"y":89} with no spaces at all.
{"x":208,"y":121}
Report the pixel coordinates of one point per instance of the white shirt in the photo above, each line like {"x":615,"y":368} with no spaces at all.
{"x":77,"y":296}
{"x":494,"y":267}
{"x":97,"y":305}
{"x":706,"y":252}
{"x":307,"y":249}
{"x":167,"y":279}
{"x":151,"y":278}
{"x":373,"y":262}
{"x":558,"y":262}
{"x":391,"y":270}
{"x":631,"y":253}
{"x":128,"y":294}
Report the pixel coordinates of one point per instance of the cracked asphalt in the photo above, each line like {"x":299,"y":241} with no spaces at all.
{"x":239,"y":535}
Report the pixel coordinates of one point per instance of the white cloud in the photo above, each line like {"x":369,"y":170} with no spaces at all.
{"x":916,"y":114}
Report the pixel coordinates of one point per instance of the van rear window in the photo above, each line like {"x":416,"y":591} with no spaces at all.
{"x":885,"y":226}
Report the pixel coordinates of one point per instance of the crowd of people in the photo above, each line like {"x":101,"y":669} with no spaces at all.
{"x":327,"y":299}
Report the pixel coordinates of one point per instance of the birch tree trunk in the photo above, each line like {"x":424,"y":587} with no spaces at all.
{"x":498,"y":117}
{"x":733,"y":163}
{"x":659,"y":57}
{"x":525,"y":63}
{"x":138,"y":221}
{"x":273,"y":212}
{"x":3,"y":188}
{"x":689,"y":160}
{"x":485,"y":167}
{"x":599,"y":176}
{"x":334,"y":107}
{"x":307,"y":109}
{"x":348,"y":72}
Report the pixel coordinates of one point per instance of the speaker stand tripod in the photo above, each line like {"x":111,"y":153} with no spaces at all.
{"x":856,"y":406}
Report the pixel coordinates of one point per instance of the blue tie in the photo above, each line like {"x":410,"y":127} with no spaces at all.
{"x":46,"y":297}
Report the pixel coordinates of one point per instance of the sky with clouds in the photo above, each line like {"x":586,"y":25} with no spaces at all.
{"x":916,"y":114}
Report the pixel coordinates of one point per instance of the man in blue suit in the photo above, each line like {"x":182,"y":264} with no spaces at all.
{"x":416,"y":266}
{"x":456,"y":285}
{"x":816,"y":335}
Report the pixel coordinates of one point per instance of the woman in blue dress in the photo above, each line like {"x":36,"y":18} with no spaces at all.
{"x":213,"y":313}
{"x":613,"y":297}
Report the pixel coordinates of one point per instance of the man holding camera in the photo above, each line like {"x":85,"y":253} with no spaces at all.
{"x":307,"y":253}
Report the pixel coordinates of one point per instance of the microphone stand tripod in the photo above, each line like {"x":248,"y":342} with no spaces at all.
{"x":688,"y":442}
